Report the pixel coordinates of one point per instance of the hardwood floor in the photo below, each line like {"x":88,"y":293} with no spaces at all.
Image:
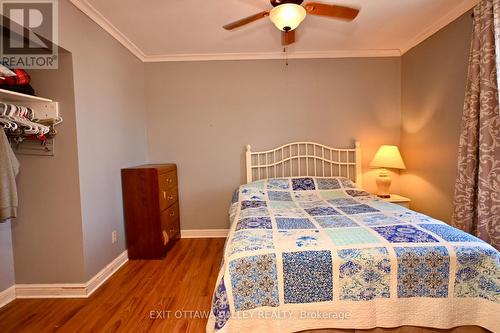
{"x":181,"y":283}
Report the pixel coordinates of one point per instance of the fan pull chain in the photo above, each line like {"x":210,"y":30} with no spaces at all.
{"x":286,"y":56}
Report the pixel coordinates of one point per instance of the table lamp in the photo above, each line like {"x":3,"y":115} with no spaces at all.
{"x":387,"y":157}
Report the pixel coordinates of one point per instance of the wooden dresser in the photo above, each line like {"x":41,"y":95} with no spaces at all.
{"x":151,"y":209}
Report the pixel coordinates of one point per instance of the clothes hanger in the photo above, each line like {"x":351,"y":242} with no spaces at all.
{"x":18,"y":113}
{"x":16,"y":117}
{"x":12,"y":113}
{"x":30,"y":115}
{"x":7,"y":124}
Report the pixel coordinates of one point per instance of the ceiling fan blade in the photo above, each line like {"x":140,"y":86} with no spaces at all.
{"x":246,"y":20}
{"x":287,"y":38}
{"x":339,"y":12}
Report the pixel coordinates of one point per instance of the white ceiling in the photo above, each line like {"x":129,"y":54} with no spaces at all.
{"x":164,"y":30}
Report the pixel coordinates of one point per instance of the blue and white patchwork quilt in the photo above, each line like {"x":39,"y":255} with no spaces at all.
{"x":311,"y":253}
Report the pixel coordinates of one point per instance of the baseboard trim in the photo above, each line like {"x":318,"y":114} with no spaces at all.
{"x":7,"y":296}
{"x":205,"y":233}
{"x":108,"y":271}
{"x":64,"y":290}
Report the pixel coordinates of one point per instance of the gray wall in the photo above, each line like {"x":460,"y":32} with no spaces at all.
{"x":109,"y":98}
{"x":71,"y":203}
{"x":433,"y":88}
{"x":6,"y":257}
{"x":47,"y":234}
{"x":201,"y":115}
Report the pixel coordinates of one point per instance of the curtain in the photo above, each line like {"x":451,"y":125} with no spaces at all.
{"x":477,"y":191}
{"x":496,"y":24}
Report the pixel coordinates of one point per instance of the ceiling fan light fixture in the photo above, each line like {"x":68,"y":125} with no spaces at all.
{"x":288,"y":16}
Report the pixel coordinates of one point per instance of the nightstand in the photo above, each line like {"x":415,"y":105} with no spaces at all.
{"x":398,"y":200}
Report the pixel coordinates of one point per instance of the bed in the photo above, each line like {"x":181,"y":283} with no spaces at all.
{"x":308,"y":249}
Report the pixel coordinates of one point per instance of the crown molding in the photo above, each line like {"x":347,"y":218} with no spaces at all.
{"x":274,"y":55}
{"x":98,"y":18}
{"x":440,"y":24}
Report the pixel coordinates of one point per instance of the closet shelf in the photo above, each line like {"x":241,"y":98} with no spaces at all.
{"x":11,"y":96}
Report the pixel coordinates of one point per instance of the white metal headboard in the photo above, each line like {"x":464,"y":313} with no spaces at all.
{"x":299,"y":159}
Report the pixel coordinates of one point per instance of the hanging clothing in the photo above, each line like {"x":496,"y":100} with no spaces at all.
{"x":477,"y":196}
{"x":9,"y":168}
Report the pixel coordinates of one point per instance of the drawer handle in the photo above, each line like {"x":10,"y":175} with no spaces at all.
{"x":165,"y":237}
{"x":172,"y":213}
{"x":164,"y":195}
{"x":169,"y":180}
{"x":170,"y":197}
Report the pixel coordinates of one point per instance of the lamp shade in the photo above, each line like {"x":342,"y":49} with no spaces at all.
{"x":388,"y":157}
{"x":287,"y":16}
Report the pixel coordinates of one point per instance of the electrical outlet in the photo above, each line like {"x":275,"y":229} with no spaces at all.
{"x":114,"y":237}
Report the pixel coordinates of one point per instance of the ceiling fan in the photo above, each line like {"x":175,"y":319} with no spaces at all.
{"x":288,"y":14}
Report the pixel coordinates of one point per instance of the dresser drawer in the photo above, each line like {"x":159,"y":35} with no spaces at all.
{"x":170,"y":221}
{"x":167,"y":180}
{"x":167,"y":198}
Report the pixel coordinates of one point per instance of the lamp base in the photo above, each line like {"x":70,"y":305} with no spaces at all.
{"x":383,"y":184}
